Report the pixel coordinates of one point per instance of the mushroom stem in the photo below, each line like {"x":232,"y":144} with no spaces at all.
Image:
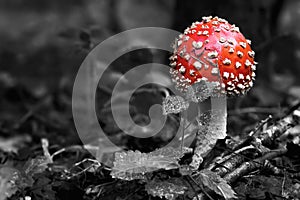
{"x":183,"y":129}
{"x":212,"y":126}
{"x":220,"y":105}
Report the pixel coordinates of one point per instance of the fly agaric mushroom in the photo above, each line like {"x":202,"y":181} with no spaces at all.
{"x":213,"y":51}
{"x":216,"y":53}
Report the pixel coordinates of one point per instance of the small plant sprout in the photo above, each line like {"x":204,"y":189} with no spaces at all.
{"x":213,"y":59}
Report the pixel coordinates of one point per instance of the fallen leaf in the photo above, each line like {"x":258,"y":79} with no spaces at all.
{"x":13,"y":144}
{"x":8,"y":182}
{"x":169,"y":189}
{"x":216,"y":183}
{"x":135,"y":164}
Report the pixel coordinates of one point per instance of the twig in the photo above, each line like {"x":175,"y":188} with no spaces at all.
{"x":70,"y":148}
{"x":280,"y":170}
{"x":31,"y":111}
{"x":23,"y":119}
{"x":131,"y":194}
{"x":90,"y":160}
{"x":192,"y":186}
{"x":250,"y":166}
{"x":260,"y":125}
{"x":259,"y":110}
{"x":280,"y":126}
{"x":201,"y":187}
{"x":183,"y":129}
{"x":231,"y":161}
{"x":226,"y":167}
{"x":293,"y":108}
{"x":282,"y":186}
{"x":95,"y":163}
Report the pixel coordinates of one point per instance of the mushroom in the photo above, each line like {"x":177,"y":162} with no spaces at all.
{"x":217,"y":54}
{"x":213,"y":51}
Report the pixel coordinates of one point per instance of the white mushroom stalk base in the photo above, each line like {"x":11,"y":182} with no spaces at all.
{"x":212,"y":126}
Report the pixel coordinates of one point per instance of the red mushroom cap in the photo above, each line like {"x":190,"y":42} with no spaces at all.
{"x":213,"y":50}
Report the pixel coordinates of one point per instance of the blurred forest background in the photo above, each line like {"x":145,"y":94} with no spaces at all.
{"x":43,"y":43}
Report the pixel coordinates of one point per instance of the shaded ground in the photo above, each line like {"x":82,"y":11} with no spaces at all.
{"x":44,"y":43}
